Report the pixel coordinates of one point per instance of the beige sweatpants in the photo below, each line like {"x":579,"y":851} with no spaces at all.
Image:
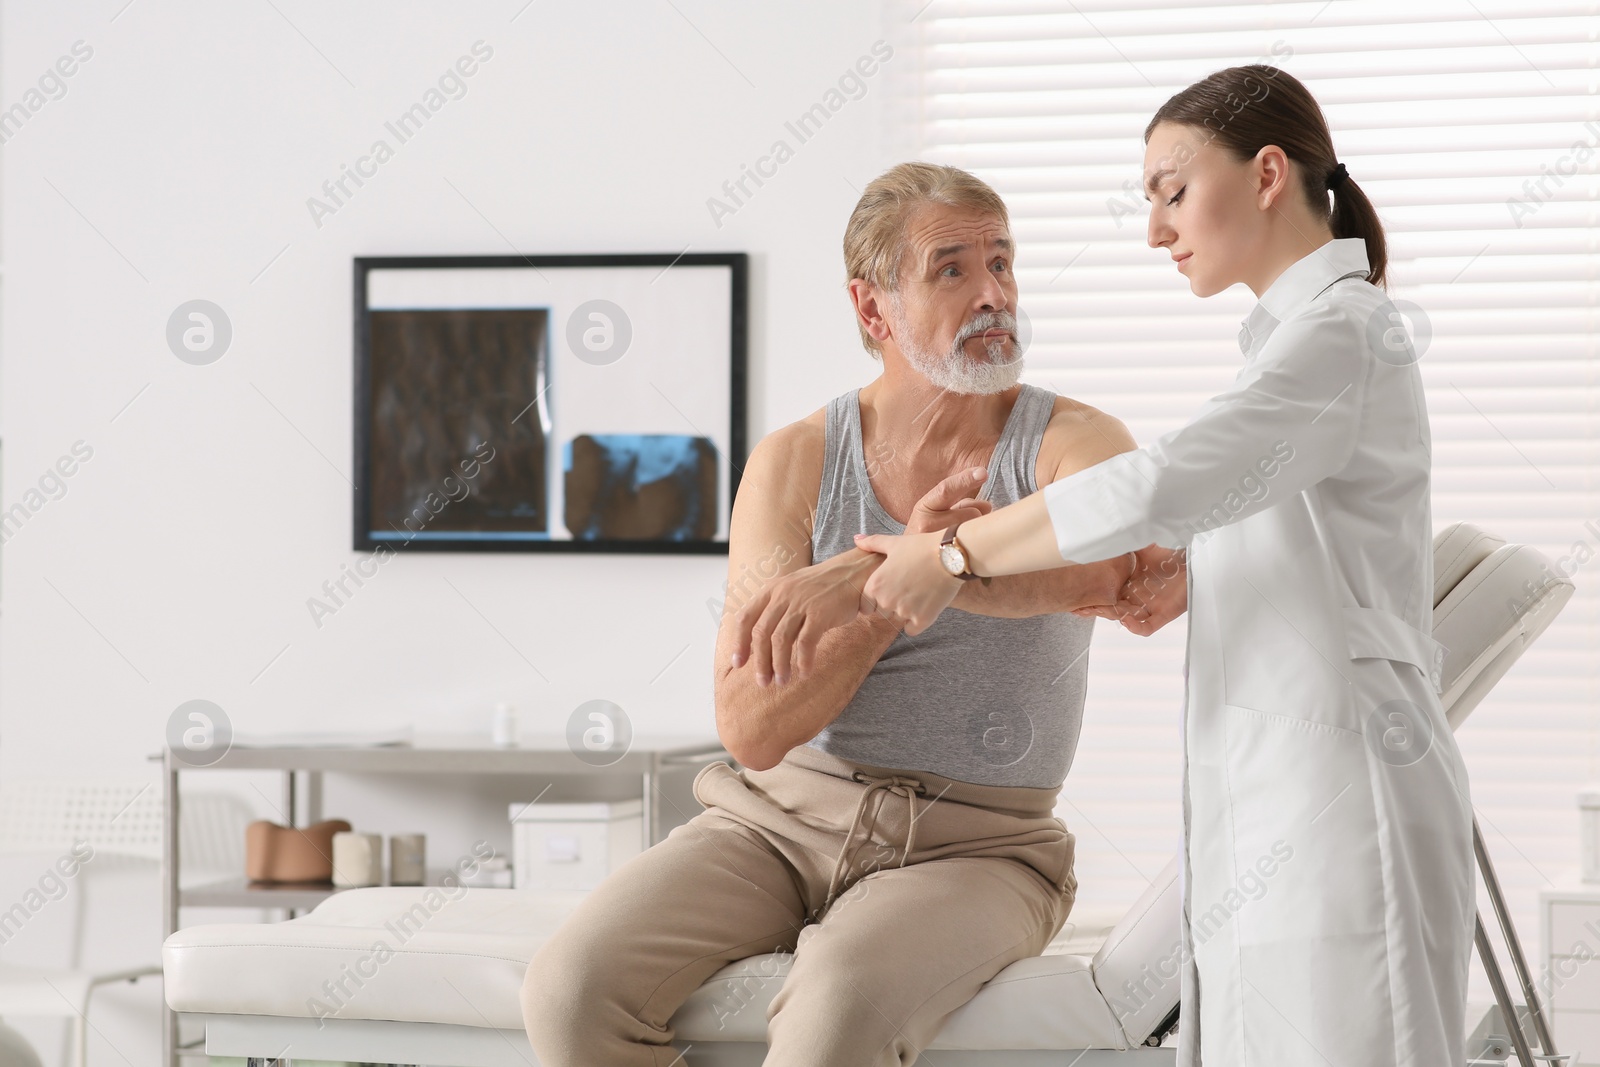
{"x":899,"y":892}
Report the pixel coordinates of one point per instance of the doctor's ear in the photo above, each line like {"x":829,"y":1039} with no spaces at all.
{"x":1271,"y":175}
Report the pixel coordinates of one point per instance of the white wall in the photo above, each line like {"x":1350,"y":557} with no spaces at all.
{"x":176,"y":166}
{"x":179,"y":562}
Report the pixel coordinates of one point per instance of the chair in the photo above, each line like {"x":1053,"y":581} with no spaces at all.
{"x":46,"y":821}
{"x":447,"y":993}
{"x":15,"y":1050}
{"x":41,"y":822}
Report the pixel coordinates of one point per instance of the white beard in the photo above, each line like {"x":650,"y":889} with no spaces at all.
{"x":953,"y":371}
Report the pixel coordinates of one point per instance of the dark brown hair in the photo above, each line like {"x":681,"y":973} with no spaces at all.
{"x":1243,"y":109}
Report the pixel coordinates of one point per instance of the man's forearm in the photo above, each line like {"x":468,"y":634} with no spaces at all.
{"x":764,"y":722}
{"x":767,"y":721}
{"x":1020,"y":596}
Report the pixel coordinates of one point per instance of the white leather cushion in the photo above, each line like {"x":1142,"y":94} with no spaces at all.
{"x":1044,"y":1002}
{"x":393,"y":952}
{"x":1490,"y":616}
{"x":1457,"y":549}
{"x":462,"y":961}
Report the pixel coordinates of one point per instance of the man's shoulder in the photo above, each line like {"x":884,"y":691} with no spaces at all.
{"x":1079,"y":435}
{"x":797,"y":440}
{"x":779,"y":485}
{"x":793,"y":453}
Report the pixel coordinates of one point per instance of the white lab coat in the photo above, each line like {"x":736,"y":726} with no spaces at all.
{"x":1329,"y":894}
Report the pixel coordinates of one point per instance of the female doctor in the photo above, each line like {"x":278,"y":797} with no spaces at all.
{"x":1328,"y":880}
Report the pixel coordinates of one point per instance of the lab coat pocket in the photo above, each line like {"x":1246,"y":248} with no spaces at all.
{"x":1395,"y":672}
{"x":1295,"y":899}
{"x":1303,"y":822}
{"x":1373,"y":633}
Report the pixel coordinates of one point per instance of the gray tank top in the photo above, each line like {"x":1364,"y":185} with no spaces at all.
{"x":975,"y":698}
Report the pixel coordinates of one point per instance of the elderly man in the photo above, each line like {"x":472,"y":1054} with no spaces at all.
{"x":892,"y":826}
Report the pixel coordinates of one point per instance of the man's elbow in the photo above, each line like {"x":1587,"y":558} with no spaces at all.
{"x":744,"y":744}
{"x":749,"y":754}
{"x":755,"y":760}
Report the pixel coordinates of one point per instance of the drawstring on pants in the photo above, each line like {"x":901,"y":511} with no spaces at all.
{"x":900,"y":785}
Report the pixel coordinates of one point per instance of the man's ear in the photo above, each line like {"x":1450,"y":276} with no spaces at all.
{"x":1271,"y":175}
{"x":871,"y":306}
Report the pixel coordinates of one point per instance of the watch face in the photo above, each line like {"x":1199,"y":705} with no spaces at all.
{"x":953,"y":560}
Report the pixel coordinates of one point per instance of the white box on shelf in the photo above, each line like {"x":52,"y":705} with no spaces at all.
{"x":572,"y":846}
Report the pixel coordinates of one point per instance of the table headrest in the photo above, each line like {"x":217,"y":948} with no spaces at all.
{"x":1491,"y":600}
{"x":1457,"y":549}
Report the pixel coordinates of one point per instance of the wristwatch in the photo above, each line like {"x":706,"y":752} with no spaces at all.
{"x":953,"y":557}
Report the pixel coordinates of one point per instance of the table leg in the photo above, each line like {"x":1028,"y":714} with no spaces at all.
{"x":288,"y":799}
{"x":169,"y":897}
{"x":313,"y":797}
{"x":652,"y":781}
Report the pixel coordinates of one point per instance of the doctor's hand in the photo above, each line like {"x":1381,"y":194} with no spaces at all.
{"x":1156,"y":592}
{"x":910,"y":587}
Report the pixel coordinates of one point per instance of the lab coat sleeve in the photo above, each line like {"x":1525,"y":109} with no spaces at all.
{"x":1288,"y":422}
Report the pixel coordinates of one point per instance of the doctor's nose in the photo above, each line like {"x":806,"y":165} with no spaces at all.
{"x":1159,"y":234}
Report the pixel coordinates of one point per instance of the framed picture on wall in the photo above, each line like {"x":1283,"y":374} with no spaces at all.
{"x":549,"y":403}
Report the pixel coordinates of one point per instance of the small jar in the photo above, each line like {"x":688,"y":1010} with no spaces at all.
{"x":357,"y":859}
{"x":406,"y":859}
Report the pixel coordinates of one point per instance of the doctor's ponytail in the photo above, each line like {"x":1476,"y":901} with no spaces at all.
{"x":1354,"y":216}
{"x":1244,"y":109}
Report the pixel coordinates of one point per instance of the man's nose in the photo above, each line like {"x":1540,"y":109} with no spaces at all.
{"x":993,"y":295}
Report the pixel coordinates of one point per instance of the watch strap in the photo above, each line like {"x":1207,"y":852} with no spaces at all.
{"x":950,"y":539}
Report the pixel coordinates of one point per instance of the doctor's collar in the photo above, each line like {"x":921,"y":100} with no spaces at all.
{"x":1303,"y":281}
{"x":1307,"y":277}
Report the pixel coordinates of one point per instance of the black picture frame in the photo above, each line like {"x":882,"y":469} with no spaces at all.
{"x":362,"y":398}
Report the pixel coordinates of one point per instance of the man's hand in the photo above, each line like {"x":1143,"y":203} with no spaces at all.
{"x":1156,"y":592}
{"x":781,"y":626}
{"x":950,"y":502}
{"x":779,"y":629}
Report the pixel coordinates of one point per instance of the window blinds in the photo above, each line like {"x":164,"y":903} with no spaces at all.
{"x":1474,"y":126}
